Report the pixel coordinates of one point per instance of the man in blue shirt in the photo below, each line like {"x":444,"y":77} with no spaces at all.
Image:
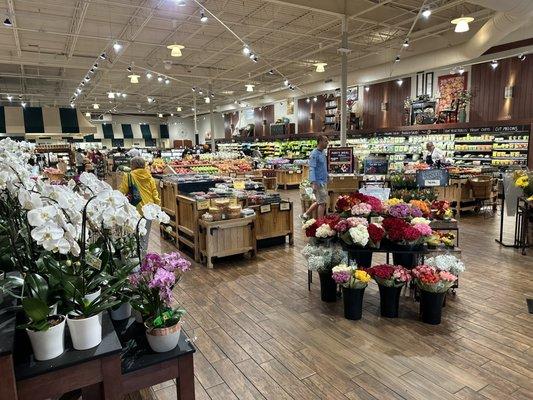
{"x":318,"y":175}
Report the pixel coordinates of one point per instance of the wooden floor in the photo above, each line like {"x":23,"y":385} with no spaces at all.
{"x":261,"y":334}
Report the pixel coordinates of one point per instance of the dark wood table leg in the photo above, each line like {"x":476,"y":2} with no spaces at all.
{"x":112,"y":374}
{"x":93,"y":392}
{"x":8,"y":386}
{"x":185,"y":381}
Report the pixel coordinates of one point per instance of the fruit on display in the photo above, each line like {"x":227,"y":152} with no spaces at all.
{"x":205,"y":170}
{"x":158,"y":166}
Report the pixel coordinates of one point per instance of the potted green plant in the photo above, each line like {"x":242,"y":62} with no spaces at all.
{"x":152,"y":297}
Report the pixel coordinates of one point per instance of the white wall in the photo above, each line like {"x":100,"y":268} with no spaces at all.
{"x":183,"y":128}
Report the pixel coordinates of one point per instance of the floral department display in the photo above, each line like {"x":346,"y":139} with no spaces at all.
{"x":353,"y":282}
{"x":390,"y":279}
{"x":72,"y":248}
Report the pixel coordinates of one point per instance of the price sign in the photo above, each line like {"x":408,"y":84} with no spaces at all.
{"x":284,"y":206}
{"x":375,"y":166}
{"x":161,"y":184}
{"x":291,"y":172}
{"x":340,"y":160}
{"x":202,"y":204}
{"x":265,"y":208}
{"x":432,"y":178}
{"x":93,"y":261}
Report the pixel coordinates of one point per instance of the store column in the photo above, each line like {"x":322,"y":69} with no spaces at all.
{"x":211,"y":119}
{"x":196,"y":138}
{"x":344,"y":77}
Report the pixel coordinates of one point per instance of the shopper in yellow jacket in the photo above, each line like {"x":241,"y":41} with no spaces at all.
{"x":146,"y":186}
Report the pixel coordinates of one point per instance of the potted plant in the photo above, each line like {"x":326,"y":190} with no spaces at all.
{"x":353,"y":281}
{"x":322,"y":259}
{"x":433,"y":285}
{"x":390,"y":279}
{"x":152,"y":297}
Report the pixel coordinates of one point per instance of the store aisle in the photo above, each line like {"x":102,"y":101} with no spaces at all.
{"x":261,"y":334}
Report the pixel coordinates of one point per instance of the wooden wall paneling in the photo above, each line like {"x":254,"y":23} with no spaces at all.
{"x":304,"y":110}
{"x":258,"y":122}
{"x":488,"y":89}
{"x":391,"y":93}
{"x":227,"y":125}
{"x":319,"y":109}
{"x":268,"y":115}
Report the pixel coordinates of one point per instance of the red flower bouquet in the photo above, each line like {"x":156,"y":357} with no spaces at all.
{"x":441,"y":210}
{"x":390,"y":275}
{"x":376,"y":234}
{"x":400,"y":231}
{"x":346,"y":202}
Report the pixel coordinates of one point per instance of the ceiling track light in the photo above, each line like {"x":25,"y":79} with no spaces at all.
{"x":167,"y":81}
{"x":461,"y":70}
{"x":397,"y":59}
{"x":95,"y":66}
{"x":150,"y":100}
{"x":129,"y":68}
{"x":367,"y":88}
{"x":399,"y":82}
{"x":246,"y":50}
{"x":117,"y":47}
{"x":23,"y":104}
{"x":110,"y":95}
{"x":9,"y":98}
{"x":315,"y":99}
{"x":494,"y":64}
{"x":521,"y":56}
{"x":270,"y":72}
{"x":308,"y":100}
{"x":426,"y":12}
{"x":207,"y":100}
{"x":72,"y":105}
{"x":193,"y":89}
{"x":160,"y":78}
{"x":286,"y":82}
{"x":96,"y":106}
{"x":7,"y":22}
{"x":148,"y":75}
{"x":255,"y":59}
{"x":406,"y":42}
{"x":203,"y":17}
{"x":103,"y":56}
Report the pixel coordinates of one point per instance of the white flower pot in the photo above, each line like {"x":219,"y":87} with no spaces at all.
{"x":48,"y":344}
{"x":92,"y":296}
{"x":53,"y":309}
{"x":86,"y":333}
{"x":164,"y":339}
{"x":122,"y":312}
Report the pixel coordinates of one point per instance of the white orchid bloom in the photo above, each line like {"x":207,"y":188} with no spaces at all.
{"x":47,"y":232}
{"x":142,"y":228}
{"x":41,"y":215}
{"x":154,"y":212}
{"x":5,"y":178}
{"x":60,"y":245}
{"x":28,"y":200}
{"x":114,"y":218}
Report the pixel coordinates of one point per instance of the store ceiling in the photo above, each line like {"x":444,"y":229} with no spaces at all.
{"x":53,"y":44}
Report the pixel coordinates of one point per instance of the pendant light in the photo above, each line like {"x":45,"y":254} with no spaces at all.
{"x":203,"y":17}
{"x":249,"y":87}
{"x":117,"y":47}
{"x":150,"y":100}
{"x":148,"y":75}
{"x":8,"y":23}
{"x":134,"y":78}
{"x":320,"y":66}
{"x":96,"y":106}
{"x":178,"y":109}
{"x":23,"y":104}
{"x":175,"y":50}
{"x":88,"y":114}
{"x":110,"y":95}
{"x":426,"y":13}
{"x":461,"y":24}
{"x":207,"y":100}
{"x":494,"y":64}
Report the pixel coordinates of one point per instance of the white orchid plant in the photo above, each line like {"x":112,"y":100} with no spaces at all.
{"x":80,"y":235}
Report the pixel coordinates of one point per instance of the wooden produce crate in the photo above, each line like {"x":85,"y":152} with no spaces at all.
{"x":287,"y":178}
{"x":274,"y":220}
{"x":270,"y":183}
{"x":188,"y":212}
{"x":344,"y":183}
{"x":168,"y":193}
{"x":226,"y":238}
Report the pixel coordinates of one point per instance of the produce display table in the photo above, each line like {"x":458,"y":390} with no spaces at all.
{"x":460,"y":196}
{"x":95,"y":371}
{"x":287,"y":178}
{"x":274,"y":220}
{"x":188,"y":212}
{"x":226,"y":238}
{"x":141,"y":367}
{"x":169,"y":191}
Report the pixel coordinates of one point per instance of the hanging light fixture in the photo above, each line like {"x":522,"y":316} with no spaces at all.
{"x":118,"y":94}
{"x":399,"y":82}
{"x":150,"y":100}
{"x":129,"y":69}
{"x":367,"y":88}
{"x":200,"y":92}
{"x":78,"y":90}
{"x":203,"y":17}
{"x":103,"y":56}
{"x":207,"y":100}
{"x":397,"y":59}
{"x":249,"y":87}
{"x":117,"y":47}
{"x":426,"y":12}
{"x":255,"y":58}
{"x":175,"y":50}
{"x":160,"y":115}
{"x":167,"y":81}
{"x":87,"y":79}
{"x":246,"y":50}
{"x":320,"y":66}
{"x":88,"y":114}
{"x":96,"y":106}
{"x":461,"y":70}
{"x":23,"y":104}
{"x":494,"y":64}
{"x":148,"y":75}
{"x":315,"y":99}
{"x":521,"y":56}
{"x":461,"y":24}
{"x":178,"y":109}
{"x":286,"y":82}
{"x":134,"y":78}
{"x":160,"y":78}
{"x":110,"y":95}
{"x":406,"y":42}
{"x":9,"y":98}
{"x":7,"y":22}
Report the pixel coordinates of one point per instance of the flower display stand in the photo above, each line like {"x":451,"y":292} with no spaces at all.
{"x":226,"y":238}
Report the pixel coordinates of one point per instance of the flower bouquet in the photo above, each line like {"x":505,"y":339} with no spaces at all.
{"x":433,"y":285}
{"x":322,"y":229}
{"x":357,"y":232}
{"x":446,"y":262}
{"x":358,"y":204}
{"x":152,"y":290}
{"x":353,"y":281}
{"x":524,"y":180}
{"x":390,"y":280}
{"x":441,"y":210}
{"x":322,"y":259}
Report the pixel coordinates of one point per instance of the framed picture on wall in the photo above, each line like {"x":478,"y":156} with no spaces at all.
{"x":420,"y":86}
{"x":429,"y":84}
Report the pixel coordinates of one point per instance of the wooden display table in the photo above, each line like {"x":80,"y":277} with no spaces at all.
{"x":459,"y":195}
{"x":288,"y":177}
{"x":169,"y":192}
{"x":274,"y":220}
{"x":226,"y":238}
{"x":188,"y":212}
